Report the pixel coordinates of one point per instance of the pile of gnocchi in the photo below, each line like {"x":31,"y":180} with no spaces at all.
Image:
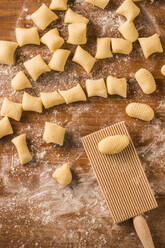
{"x":77,"y":35}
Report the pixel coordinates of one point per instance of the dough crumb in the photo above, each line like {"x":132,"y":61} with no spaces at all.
{"x":63,"y":175}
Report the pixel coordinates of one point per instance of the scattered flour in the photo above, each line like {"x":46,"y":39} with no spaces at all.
{"x":28,"y":17}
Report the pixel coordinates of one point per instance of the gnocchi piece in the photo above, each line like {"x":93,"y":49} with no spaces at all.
{"x":20,"y":81}
{"x":55,"y":31}
{"x":52,"y":39}
{"x":22,"y":149}
{"x":99,"y":3}
{"x":103,"y":48}
{"x":7,"y":52}
{"x":117,"y":86}
{"x":163,"y":70}
{"x":59,"y":59}
{"x":113,"y":144}
{"x":51,"y":99}
{"x":129,"y":31}
{"x":129,"y":10}
{"x":120,"y":45}
{"x":84,"y":59}
{"x":5,"y":127}
{"x":77,"y":33}
{"x":151,"y":45}
{"x":36,"y":66}
{"x":31,"y":103}
{"x":146,"y":81}
{"x":96,"y":88}
{"x":11,"y":109}
{"x":43,"y":17}
{"x":27,"y":36}
{"x":73,"y":17}
{"x":58,"y":5}
{"x":74,"y":94}
{"x":54,"y":133}
{"x":63,"y":175}
{"x":140,"y":111}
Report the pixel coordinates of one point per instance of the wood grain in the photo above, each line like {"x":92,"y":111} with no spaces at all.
{"x":77,"y":216}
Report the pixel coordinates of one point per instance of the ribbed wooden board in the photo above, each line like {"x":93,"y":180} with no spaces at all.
{"x":121,"y":176}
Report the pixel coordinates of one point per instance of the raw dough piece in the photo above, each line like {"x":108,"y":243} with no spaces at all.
{"x":54,"y":133}
{"x":58,"y":61}
{"x":31,"y":103}
{"x":7,"y":52}
{"x":129,"y":10}
{"x":36,"y":66}
{"x":96,"y":88}
{"x":43,"y":17}
{"x":75,"y":94}
{"x":99,"y":3}
{"x":52,"y":39}
{"x":151,"y":45}
{"x":20,"y":81}
{"x":129,"y":31}
{"x":11,"y":109}
{"x":5,"y":127}
{"x":84,"y":59}
{"x":117,"y":86}
{"x":22,"y":148}
{"x":63,"y":175}
{"x":73,"y":17}
{"x":27,"y":36}
{"x":113,"y":144}
{"x":163,"y":70}
{"x":58,"y":4}
{"x":77,"y":33}
{"x":120,"y":45}
{"x":103,"y":48}
{"x":140,"y":111}
{"x":51,"y":99}
{"x":146,"y":81}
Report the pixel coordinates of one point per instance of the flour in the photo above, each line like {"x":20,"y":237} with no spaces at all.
{"x":28,"y":17}
{"x":41,"y":155}
{"x":152,"y":152}
{"x":153,"y":21}
{"x":109,"y":22}
{"x":25,"y":9}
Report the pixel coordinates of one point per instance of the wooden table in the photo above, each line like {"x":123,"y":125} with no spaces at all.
{"x":34,"y":210}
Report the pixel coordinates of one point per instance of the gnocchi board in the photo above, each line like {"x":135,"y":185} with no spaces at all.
{"x":34,"y":210}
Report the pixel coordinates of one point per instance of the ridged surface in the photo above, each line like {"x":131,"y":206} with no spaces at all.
{"x":121,"y":177}
{"x":140,"y":111}
{"x":113,"y":144}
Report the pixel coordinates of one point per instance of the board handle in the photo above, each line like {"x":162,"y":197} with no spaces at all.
{"x":143,"y":231}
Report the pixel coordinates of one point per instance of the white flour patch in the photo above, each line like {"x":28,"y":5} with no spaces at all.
{"x":154,"y":21}
{"x":25,"y":9}
{"x":41,"y":155}
{"x":109,"y":23}
{"x":152,"y":150}
{"x":28,"y":17}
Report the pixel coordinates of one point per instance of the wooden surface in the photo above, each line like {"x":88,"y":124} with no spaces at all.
{"x":34,"y":210}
